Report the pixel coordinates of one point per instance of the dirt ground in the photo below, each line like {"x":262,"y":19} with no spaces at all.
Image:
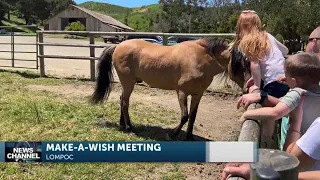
{"x":216,"y":119}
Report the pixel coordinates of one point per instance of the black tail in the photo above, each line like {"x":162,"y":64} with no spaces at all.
{"x":105,"y":76}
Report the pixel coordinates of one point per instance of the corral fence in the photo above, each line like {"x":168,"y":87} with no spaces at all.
{"x":11,"y":55}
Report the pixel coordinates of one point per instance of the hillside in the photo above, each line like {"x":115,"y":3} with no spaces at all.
{"x":137,"y":18}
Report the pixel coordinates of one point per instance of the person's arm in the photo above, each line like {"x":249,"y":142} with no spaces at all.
{"x":293,"y":135}
{"x":287,"y":104}
{"x":250,"y":98}
{"x":267,"y":113}
{"x":256,"y":74}
{"x":309,"y":175}
{"x":307,"y":148}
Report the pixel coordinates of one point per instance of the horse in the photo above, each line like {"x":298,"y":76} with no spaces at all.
{"x":187,"y":68}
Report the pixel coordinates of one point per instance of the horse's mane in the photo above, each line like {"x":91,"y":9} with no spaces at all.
{"x":238,"y":60}
{"x":214,"y":43}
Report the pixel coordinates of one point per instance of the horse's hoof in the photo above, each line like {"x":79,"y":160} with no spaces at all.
{"x":132,"y":134}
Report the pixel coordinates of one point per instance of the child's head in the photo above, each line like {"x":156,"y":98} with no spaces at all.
{"x":251,"y":37}
{"x":302,"y":70}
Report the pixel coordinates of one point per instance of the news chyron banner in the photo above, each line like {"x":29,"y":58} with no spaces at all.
{"x":128,"y":151}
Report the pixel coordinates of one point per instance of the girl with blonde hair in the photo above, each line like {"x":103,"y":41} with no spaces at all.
{"x":265,"y":53}
{"x":266,"y":56}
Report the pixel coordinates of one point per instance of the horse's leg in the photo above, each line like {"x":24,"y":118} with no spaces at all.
{"x":183,"y":101}
{"x":195,"y":100}
{"x":122,"y":123}
{"x":127,"y":88}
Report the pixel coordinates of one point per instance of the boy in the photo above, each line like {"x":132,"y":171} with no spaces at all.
{"x":302,"y":73}
{"x":306,"y":148}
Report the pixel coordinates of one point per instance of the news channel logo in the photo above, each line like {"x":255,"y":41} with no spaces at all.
{"x":23,"y":151}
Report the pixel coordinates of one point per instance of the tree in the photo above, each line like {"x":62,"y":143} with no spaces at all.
{"x":126,"y":18}
{"x":2,"y":10}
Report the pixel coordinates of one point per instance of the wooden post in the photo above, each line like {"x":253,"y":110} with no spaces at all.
{"x":92,"y":62}
{"x":41,"y":53}
{"x":280,"y":161}
{"x":251,"y":130}
{"x":12,"y":47}
{"x":37,"y":50}
{"x":165,"y":40}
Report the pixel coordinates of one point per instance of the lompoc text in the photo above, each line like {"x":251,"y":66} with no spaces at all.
{"x":104,"y":147}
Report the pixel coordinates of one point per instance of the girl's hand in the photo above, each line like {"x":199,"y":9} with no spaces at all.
{"x":250,"y":83}
{"x":282,"y":79}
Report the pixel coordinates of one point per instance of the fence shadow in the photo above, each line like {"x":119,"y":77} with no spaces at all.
{"x":156,"y":133}
{"x":32,"y":75}
{"x":25,"y":74}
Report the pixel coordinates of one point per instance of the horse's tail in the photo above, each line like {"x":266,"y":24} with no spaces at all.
{"x":105,"y":76}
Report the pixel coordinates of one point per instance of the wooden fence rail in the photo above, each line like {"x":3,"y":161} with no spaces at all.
{"x":273,"y":164}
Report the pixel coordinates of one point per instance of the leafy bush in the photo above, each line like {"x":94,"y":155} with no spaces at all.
{"x":75,"y":26}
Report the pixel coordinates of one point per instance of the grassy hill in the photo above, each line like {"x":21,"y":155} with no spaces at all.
{"x":137,"y":18}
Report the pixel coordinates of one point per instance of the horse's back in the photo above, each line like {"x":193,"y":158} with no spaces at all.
{"x":165,"y":67}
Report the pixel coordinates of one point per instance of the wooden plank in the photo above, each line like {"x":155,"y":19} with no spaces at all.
{"x":250,"y":130}
{"x":68,"y":57}
{"x":139,"y":33}
{"x":92,"y":61}
{"x":41,"y":58}
{"x":72,"y":45}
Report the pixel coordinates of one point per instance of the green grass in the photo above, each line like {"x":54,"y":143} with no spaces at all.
{"x":45,"y":116}
{"x":138,"y":18}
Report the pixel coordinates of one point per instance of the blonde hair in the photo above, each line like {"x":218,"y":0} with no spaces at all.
{"x":250,"y":36}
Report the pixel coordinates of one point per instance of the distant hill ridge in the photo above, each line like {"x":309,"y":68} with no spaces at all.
{"x":137,"y":18}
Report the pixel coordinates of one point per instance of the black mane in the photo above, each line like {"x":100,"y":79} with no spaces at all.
{"x":217,"y":43}
{"x":238,"y":60}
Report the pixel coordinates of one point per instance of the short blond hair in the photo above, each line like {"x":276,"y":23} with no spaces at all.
{"x":250,"y":36}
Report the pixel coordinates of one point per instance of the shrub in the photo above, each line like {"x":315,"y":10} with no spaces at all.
{"x":75,"y":26}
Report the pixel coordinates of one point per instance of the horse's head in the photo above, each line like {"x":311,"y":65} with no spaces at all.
{"x":231,"y":60}
{"x":238,"y":67}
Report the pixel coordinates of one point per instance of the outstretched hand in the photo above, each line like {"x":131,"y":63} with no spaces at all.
{"x":247,"y":99}
{"x":238,"y":169}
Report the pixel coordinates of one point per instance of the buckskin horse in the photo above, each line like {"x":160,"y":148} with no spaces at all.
{"x":187,"y":67}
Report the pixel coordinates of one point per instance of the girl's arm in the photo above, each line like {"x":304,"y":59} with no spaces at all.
{"x":256,"y":74}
